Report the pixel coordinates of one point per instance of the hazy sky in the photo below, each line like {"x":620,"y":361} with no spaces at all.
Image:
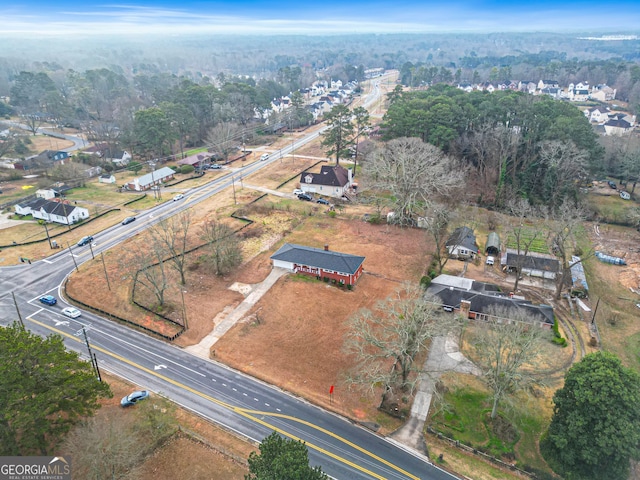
{"x":315,"y":17}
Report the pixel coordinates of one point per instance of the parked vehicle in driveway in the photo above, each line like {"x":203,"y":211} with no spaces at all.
{"x":323,"y":201}
{"x":304,"y":196}
{"x":178,"y":197}
{"x":48,"y":300}
{"x":612,"y":184}
{"x":297,"y":191}
{"x":85,"y":240}
{"x":215,"y":166}
{"x":128,"y":220}
{"x":71,"y":312}
{"x":134,"y":398}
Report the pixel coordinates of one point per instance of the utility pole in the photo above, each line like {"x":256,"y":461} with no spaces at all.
{"x":92,"y":357}
{"x":184,"y":310}
{"x":105,"y":271}
{"x":93,"y":257}
{"x":233,"y":185}
{"x":72,"y":257}
{"x":44,"y":222}
{"x":18,"y":310}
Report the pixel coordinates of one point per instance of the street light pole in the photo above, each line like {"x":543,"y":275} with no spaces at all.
{"x":18,"y":310}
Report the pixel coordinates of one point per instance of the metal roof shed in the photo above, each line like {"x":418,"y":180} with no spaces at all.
{"x":493,"y":244}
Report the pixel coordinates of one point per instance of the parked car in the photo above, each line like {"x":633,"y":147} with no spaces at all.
{"x":215,"y":166}
{"x":323,"y":201}
{"x":134,"y":398}
{"x":128,"y":220}
{"x":447,"y":308}
{"x":297,"y":191}
{"x":264,"y":156}
{"x":304,"y":196}
{"x":85,"y":240}
{"x":48,"y":300}
{"x":612,"y":184}
{"x":71,"y":312}
{"x":490,"y":260}
{"x":178,"y":197}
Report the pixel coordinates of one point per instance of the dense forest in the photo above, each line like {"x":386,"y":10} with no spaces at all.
{"x":515,"y":143}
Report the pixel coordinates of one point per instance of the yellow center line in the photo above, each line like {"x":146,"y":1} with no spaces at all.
{"x":247,"y":413}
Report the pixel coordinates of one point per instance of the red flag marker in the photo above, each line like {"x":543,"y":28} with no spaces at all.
{"x":331,"y":389}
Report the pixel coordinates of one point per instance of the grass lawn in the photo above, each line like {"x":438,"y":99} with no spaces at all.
{"x":464,"y":415}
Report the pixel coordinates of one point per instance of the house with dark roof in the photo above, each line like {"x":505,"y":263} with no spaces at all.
{"x":475,"y":300}
{"x":339,"y":267}
{"x":462,"y":243}
{"x":532,"y":265}
{"x":617,"y":127}
{"x":44,"y":160}
{"x":196,"y":161}
{"x":50,"y":211}
{"x":333,"y":181}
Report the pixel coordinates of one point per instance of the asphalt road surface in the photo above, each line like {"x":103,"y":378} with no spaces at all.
{"x":241,"y":403}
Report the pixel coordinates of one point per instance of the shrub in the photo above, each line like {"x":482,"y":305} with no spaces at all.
{"x":425,"y":281}
{"x":332,"y":213}
{"x":187,"y":169}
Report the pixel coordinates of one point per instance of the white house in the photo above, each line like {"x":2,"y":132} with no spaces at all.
{"x":145,"y":182}
{"x":57,"y":212}
{"x":107,"y":178}
{"x":120,"y":157}
{"x":333,"y":181}
{"x":617,"y":127}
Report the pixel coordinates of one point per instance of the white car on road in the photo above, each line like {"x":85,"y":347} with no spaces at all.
{"x":71,"y":312}
{"x":178,"y":197}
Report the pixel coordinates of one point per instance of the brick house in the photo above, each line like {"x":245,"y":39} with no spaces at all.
{"x":320,"y":263}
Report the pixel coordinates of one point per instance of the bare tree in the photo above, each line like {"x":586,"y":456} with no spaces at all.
{"x":224,"y":138}
{"x":386,"y":341}
{"x":436,"y":223}
{"x":566,"y":168}
{"x":172,"y":235}
{"x":105,"y":447}
{"x":152,"y":276}
{"x":564,"y":224}
{"x":525,"y":228}
{"x":412,"y":172}
{"x":507,"y":347}
{"x":223,"y":246}
{"x":108,"y":446}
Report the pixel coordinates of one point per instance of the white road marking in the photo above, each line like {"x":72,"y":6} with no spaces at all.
{"x":159,"y":367}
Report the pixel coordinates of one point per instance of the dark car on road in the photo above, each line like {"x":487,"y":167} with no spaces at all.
{"x":48,"y":300}
{"x":134,"y":398}
{"x":128,"y":220}
{"x":323,"y":201}
{"x":304,"y":196}
{"x":85,"y":240}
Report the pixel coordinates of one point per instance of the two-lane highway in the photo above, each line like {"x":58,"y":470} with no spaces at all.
{"x":234,"y":400}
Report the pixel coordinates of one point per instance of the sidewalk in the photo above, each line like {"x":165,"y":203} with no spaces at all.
{"x":203,"y":348}
{"x":444,"y":356}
